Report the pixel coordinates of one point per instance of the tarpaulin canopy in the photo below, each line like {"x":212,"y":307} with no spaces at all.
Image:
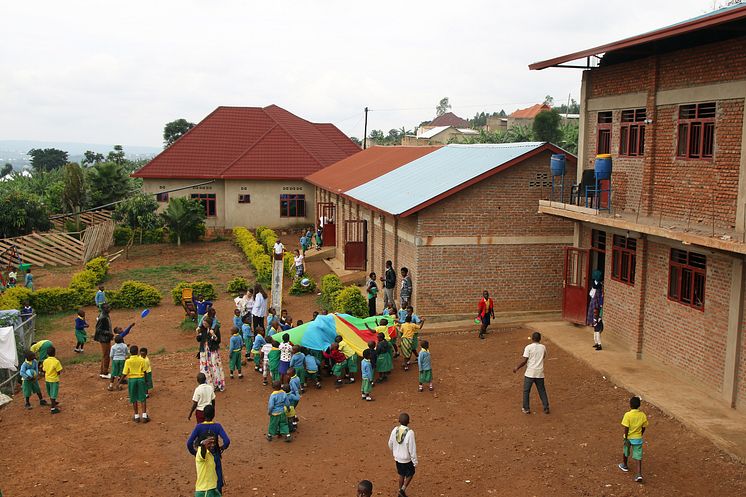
{"x":320,"y":333}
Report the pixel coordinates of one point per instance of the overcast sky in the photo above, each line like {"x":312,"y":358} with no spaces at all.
{"x":116,"y":72}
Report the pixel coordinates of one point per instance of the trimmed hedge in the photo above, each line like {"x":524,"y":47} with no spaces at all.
{"x":254,"y":252}
{"x":135,"y":294}
{"x":204,"y":288}
{"x":331,"y":285}
{"x":298,"y":289}
{"x":349,"y":300}
{"x":267,"y":238}
{"x":288,"y":264}
{"x":237,"y":285}
{"x":13,"y":298}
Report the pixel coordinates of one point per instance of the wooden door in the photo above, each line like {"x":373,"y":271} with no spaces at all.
{"x":356,"y":245}
{"x":575,"y":285}
{"x":325,"y":213}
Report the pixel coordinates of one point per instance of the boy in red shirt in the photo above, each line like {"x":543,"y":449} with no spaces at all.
{"x":486,"y":310}
{"x":338,"y":360}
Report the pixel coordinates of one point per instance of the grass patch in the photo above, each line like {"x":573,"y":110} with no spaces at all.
{"x":47,"y":323}
{"x":188,"y":324}
{"x":164,"y":278}
{"x":81,"y":359}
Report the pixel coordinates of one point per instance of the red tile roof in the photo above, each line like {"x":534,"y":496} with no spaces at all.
{"x":365,"y":166}
{"x":530,"y":112}
{"x":450,"y":119}
{"x":251,"y":143}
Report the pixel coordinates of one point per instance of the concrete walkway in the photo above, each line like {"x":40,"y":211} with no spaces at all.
{"x":657,"y":384}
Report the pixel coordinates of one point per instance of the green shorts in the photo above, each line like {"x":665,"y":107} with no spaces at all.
{"x":278,"y":424}
{"x":116,"y":368}
{"x":366,"y":387}
{"x":136,"y":389}
{"x":235,"y":361}
{"x":53,"y":389}
{"x":30,"y":387}
{"x":636,"y":450}
{"x":213,"y":492}
{"x":352,"y":364}
{"x":148,"y":381}
{"x":275,"y":374}
{"x":426,"y":376}
{"x":339,"y":369}
{"x":81,"y":336}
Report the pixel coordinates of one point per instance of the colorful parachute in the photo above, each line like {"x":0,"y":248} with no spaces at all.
{"x":320,"y":333}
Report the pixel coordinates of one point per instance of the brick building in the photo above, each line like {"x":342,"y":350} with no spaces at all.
{"x":246,"y":166}
{"x":461,"y":217}
{"x":669,"y":231}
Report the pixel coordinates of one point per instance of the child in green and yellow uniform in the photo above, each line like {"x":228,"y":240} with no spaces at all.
{"x":30,"y":377}
{"x":52,"y":369}
{"x":635,"y":422}
{"x":278,"y":421}
{"x":148,"y":371}
{"x":367,"y":383}
{"x":207,"y":475}
{"x":234,"y":350}
{"x":40,"y":348}
{"x":351,"y":356}
{"x":273,"y":361}
{"x":134,"y":374}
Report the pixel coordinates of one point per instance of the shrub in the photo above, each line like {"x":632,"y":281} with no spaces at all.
{"x":84,"y":280}
{"x":263,"y":265}
{"x":55,"y":299}
{"x":331,"y":285}
{"x":298,"y":289}
{"x":134,"y":294}
{"x":122,"y":235}
{"x":259,"y":231}
{"x":13,"y":298}
{"x":207,"y":290}
{"x":350,"y":301}
{"x":259,"y":260}
{"x":266,"y":238}
{"x":100,"y":266}
{"x":237,"y":285}
{"x":288,"y":264}
{"x":153,"y":236}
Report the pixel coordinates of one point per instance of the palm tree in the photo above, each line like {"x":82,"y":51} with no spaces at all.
{"x":185,"y":219}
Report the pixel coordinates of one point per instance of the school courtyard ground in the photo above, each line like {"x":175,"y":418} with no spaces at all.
{"x":472,"y":438}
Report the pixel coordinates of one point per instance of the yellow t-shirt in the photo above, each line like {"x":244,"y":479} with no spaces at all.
{"x":35,"y":347}
{"x":207,"y":477}
{"x":134,"y":367}
{"x":635,"y":420}
{"x":384,"y":330}
{"x":52,"y":367}
{"x":346,"y":349}
{"x":147,"y":364}
{"x":408,"y":330}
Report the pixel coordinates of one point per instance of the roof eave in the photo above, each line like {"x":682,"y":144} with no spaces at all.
{"x":676,"y":29}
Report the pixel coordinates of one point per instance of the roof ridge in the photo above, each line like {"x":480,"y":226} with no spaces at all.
{"x":313,"y":125}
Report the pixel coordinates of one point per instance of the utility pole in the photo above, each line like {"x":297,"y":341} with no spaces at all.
{"x":365,"y":132}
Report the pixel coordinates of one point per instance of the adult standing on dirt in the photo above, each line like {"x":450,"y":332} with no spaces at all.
{"x":104,"y":335}
{"x":372,"y":288}
{"x":389,"y":283}
{"x":405,"y":293}
{"x":208,"y":336}
{"x":486,"y":309}
{"x":259,"y":311}
{"x":246,"y":303}
{"x":533,"y":358}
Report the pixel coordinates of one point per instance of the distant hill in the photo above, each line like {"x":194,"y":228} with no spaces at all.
{"x":14,"y":151}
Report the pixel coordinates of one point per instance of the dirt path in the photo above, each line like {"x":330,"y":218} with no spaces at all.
{"x":473,"y":439}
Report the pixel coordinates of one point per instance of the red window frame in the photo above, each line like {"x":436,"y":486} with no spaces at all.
{"x":208,"y":201}
{"x":623,"y":259}
{"x":603,"y":132}
{"x":687,"y":274}
{"x":696,"y":131}
{"x":161,"y":197}
{"x":244,"y":198}
{"x":632,"y":133}
{"x":293,"y":205}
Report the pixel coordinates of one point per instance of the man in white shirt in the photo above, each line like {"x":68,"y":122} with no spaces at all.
{"x":279,"y":250}
{"x":404,"y":449}
{"x":204,"y":395}
{"x":533,"y":358}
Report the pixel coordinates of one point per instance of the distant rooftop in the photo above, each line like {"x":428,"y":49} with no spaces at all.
{"x":449,"y":119}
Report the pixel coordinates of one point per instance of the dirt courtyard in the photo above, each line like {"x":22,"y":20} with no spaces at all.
{"x":472,"y":438}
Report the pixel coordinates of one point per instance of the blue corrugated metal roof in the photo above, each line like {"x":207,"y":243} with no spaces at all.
{"x":436,"y":173}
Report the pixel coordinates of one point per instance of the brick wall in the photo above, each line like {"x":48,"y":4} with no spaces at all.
{"x":685,"y":191}
{"x":741,"y":376}
{"x":687,"y":338}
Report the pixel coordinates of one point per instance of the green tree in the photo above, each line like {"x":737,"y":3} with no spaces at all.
{"x":442,"y":107}
{"x":376,"y":136}
{"x":117,"y":155}
{"x":90,"y":158}
{"x":357,"y":141}
{"x":569,"y":140}
{"x":22,"y":213}
{"x":549,"y":100}
{"x":547,"y":126}
{"x":175,"y":130}
{"x":518,"y":134}
{"x":502,"y":113}
{"x":6,"y":170}
{"x":73,"y":193}
{"x":107,"y":183}
{"x":138,"y":211}
{"x":185,"y":219}
{"x":47,"y":159}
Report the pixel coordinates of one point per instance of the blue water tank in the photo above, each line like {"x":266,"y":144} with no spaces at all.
{"x":557,"y":164}
{"x":602,"y":166}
